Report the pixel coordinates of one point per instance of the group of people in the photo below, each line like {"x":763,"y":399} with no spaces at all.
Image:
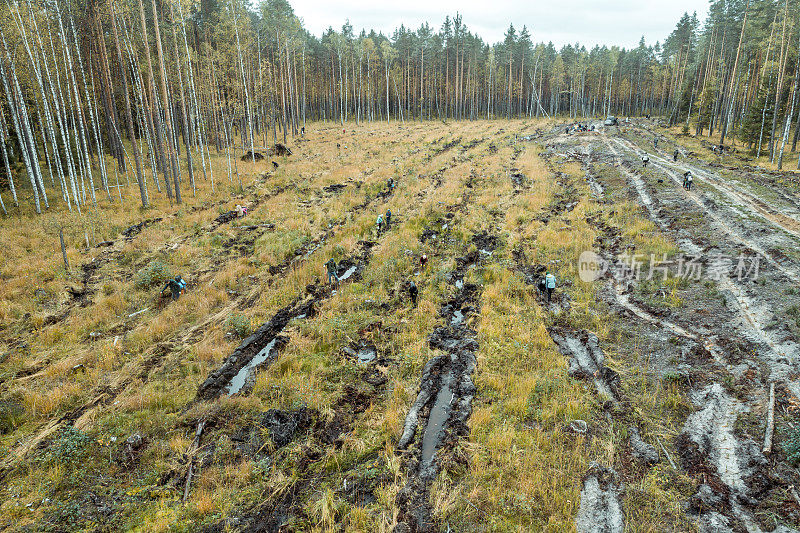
{"x":579,"y":127}
{"x":687,"y":176}
{"x":687,"y":180}
{"x":721,"y":149}
{"x":177,"y":286}
{"x":331,"y":268}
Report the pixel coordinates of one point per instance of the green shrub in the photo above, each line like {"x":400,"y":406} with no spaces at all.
{"x":792,"y":446}
{"x":216,"y":241}
{"x":154,"y":273}
{"x":542,"y":392}
{"x":794,"y":313}
{"x":238,"y":326}
{"x":69,"y":445}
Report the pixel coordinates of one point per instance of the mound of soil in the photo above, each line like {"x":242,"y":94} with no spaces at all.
{"x":136,"y":229}
{"x":225,"y":217}
{"x":250,"y":156}
{"x":336,"y":187}
{"x":284,"y":425}
{"x":279,"y":149}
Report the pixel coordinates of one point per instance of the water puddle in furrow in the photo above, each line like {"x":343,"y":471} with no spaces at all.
{"x":349,"y":272}
{"x":240,"y":379}
{"x":367,"y":355}
{"x":440,"y":413}
{"x":458,"y":318}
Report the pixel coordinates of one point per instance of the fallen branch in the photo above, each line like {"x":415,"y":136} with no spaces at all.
{"x":195,"y":444}
{"x":138,"y":312}
{"x":770,"y":421}
{"x":669,"y":457}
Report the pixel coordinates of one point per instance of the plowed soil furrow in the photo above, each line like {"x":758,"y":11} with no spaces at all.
{"x":438,"y":416}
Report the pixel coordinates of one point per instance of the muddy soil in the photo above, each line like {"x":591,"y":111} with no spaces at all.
{"x":262,"y":341}
{"x":225,"y":217}
{"x":236,"y":373}
{"x":728,"y":342}
{"x":600,"y":510}
{"x":587,"y":361}
{"x":437,"y":419}
{"x":444,"y":148}
{"x":274,"y":514}
{"x":565,"y":200}
{"x":335,"y":188}
{"x":284,"y":425}
{"x":136,"y":229}
{"x":363,"y":352}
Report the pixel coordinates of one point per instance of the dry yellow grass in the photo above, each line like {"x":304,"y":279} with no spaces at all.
{"x":523,"y":472}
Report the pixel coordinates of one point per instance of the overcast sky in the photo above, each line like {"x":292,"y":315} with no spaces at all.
{"x":590,"y":22}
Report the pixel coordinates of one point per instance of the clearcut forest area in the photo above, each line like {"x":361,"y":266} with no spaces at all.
{"x":257,"y":280}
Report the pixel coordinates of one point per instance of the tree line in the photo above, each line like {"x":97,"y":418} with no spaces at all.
{"x":99,"y":94}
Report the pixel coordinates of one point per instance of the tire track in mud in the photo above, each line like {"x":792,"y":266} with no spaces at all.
{"x":601,"y":508}
{"x":236,"y":374}
{"x":708,"y":435}
{"x":438,"y":417}
{"x":266,"y":342}
{"x":736,"y":235}
{"x":104,"y":395}
{"x":733,"y":469}
{"x":783,"y":355}
{"x":743,"y":199}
